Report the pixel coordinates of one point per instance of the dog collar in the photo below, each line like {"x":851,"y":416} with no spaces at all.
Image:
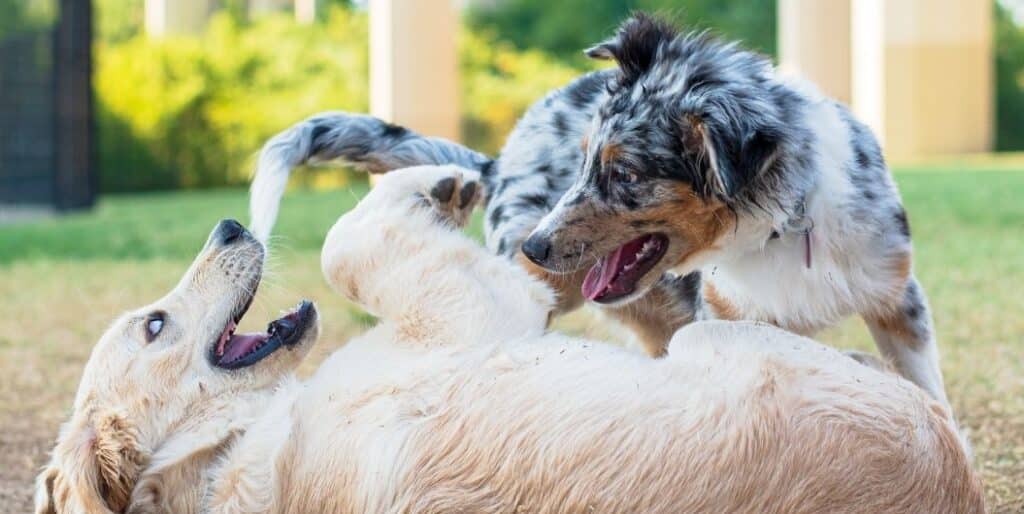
{"x":801,"y":223}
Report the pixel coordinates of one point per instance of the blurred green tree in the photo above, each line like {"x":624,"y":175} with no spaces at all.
{"x":1009,"y":81}
{"x":190,"y":111}
{"x":567,"y":27}
{"x":118,"y":20}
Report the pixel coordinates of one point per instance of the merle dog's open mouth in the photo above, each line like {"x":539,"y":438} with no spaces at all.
{"x":616,"y":274}
{"x":234,"y":351}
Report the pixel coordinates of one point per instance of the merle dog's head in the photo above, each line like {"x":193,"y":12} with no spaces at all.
{"x":689,"y":127}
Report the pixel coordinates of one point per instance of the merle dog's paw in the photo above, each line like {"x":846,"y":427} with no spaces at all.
{"x":452,"y":195}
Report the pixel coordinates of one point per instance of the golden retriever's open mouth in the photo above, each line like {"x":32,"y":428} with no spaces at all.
{"x":615,"y":275}
{"x":234,"y":351}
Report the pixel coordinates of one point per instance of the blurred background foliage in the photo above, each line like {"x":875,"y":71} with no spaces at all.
{"x":191,"y":111}
{"x":566,"y":27}
{"x":26,"y":15}
{"x":1009,"y":49}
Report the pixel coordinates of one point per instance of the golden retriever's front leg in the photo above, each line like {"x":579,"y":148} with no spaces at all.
{"x":398,"y":255}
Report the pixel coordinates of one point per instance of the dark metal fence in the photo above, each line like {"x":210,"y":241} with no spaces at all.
{"x":47,"y":150}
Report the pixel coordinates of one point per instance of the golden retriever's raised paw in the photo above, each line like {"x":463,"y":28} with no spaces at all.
{"x":450,"y":192}
{"x":453,"y":197}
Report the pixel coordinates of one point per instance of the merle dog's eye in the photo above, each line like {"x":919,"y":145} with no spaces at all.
{"x":623,"y":176}
{"x":154,"y":324}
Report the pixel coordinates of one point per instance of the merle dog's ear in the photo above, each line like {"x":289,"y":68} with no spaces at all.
{"x":635,"y":44}
{"x":729,"y":159}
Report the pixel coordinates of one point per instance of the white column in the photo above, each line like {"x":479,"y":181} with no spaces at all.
{"x":923,"y":74}
{"x":413,"y":67}
{"x":305,"y":11}
{"x":814,"y":42}
{"x":165,"y":17}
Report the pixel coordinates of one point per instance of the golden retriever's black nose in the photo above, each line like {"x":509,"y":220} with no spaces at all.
{"x":228,"y":231}
{"x":536,"y":248}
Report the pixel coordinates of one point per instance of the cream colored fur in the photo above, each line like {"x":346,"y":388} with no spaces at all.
{"x":460,"y":401}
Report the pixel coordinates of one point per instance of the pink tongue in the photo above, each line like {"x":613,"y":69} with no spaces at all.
{"x":601,"y":275}
{"x":241,"y":344}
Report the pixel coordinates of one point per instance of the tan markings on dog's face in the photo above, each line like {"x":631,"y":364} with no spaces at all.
{"x":696,"y":222}
{"x":610,"y":152}
{"x":149,"y":372}
{"x":586,"y":225}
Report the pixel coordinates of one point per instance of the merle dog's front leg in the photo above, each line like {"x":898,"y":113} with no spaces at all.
{"x":672,"y":303}
{"x":904,"y":335}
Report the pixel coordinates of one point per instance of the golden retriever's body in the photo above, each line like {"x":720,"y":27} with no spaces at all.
{"x":459,"y":401}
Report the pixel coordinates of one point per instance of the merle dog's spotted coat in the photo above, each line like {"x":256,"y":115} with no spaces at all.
{"x":764,"y":199}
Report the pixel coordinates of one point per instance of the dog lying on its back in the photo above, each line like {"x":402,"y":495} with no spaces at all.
{"x":458,"y":401}
{"x":693,"y":182}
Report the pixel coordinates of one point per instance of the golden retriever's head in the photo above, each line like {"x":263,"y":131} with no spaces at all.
{"x":167,"y":381}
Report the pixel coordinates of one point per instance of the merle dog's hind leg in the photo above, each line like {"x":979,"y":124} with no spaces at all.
{"x":904,"y":335}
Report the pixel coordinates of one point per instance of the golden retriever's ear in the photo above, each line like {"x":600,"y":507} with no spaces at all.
{"x":190,"y":448}
{"x":44,"y":491}
{"x":93,"y":469}
{"x":118,"y":459}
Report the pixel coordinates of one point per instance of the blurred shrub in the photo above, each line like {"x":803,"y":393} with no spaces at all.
{"x":567,"y":27}
{"x":498,"y":83}
{"x":191,"y":111}
{"x":1009,"y":82}
{"x":117,"y":20}
{"x":22,"y":16}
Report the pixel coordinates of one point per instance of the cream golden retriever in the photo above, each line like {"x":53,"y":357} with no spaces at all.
{"x":459,"y":400}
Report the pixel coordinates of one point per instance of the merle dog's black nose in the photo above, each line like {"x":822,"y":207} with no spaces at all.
{"x":229,"y":231}
{"x":536,"y":248}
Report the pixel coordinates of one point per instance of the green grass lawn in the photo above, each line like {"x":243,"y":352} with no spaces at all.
{"x":63,"y":279}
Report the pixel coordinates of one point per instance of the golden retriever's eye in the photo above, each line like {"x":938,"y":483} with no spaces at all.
{"x":624,"y":177}
{"x":154,"y":324}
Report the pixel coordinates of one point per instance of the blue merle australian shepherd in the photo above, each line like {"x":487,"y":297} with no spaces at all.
{"x":689,"y":182}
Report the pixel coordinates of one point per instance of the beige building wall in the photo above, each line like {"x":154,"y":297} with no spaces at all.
{"x":413,"y":67}
{"x":923,"y":74}
{"x":814,"y":42}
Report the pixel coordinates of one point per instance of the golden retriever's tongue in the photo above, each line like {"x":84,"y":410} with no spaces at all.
{"x":241,"y":344}
{"x":602,"y":274}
